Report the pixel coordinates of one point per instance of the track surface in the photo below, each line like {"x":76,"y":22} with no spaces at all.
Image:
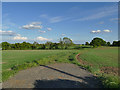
{"x":61,"y":75}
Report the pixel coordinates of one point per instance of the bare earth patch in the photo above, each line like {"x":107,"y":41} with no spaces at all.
{"x":109,"y":70}
{"x":2,"y":62}
{"x":81,"y":61}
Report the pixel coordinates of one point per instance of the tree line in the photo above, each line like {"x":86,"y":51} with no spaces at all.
{"x":97,"y":42}
{"x":64,"y":43}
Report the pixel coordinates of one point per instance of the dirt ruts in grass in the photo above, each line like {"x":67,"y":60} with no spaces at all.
{"x":2,"y":62}
{"x":81,"y":61}
{"x":107,"y":70}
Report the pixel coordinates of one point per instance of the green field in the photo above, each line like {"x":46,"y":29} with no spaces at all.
{"x":104,"y":62}
{"x":101,"y":57}
{"x":11,"y":58}
{"x":16,"y":60}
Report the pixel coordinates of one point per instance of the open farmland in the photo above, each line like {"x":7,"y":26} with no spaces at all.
{"x":103,"y":62}
{"x":96,"y":60}
{"x":102,"y":57}
{"x":11,"y":58}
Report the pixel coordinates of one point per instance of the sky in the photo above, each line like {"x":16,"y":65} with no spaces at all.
{"x":50,"y":21}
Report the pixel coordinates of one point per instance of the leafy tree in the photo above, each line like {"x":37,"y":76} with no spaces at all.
{"x":108,"y":43}
{"x":61,"y":43}
{"x":116,"y":43}
{"x":49,"y":45}
{"x":56,"y":45}
{"x":43,"y":46}
{"x":98,"y":42}
{"x":17,"y":46}
{"x":67,"y":42}
{"x":5,"y":45}
{"x":86,"y":43}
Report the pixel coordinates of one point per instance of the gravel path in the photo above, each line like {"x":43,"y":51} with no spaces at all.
{"x":61,"y":75}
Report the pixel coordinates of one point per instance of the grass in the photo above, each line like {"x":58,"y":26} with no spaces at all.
{"x":103,"y":57}
{"x":16,"y":60}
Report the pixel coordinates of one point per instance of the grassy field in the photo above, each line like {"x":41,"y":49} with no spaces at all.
{"x":103,"y":62}
{"x":11,"y":58}
{"x":98,"y":58}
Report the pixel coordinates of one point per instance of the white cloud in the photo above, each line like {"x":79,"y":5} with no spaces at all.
{"x":7,"y":33}
{"x":44,"y":16}
{"x":97,"y":31}
{"x":36,"y":23}
{"x":42,"y":39}
{"x":41,"y":31}
{"x":99,"y":13}
{"x":56,"y":19}
{"x":18,"y":37}
{"x":63,"y":35}
{"x":107,"y":30}
{"x":33,"y":25}
{"x":49,"y":29}
{"x":102,"y":22}
{"x":4,"y":27}
{"x":113,"y":19}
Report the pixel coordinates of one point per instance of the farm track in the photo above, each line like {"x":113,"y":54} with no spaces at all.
{"x":61,"y":75}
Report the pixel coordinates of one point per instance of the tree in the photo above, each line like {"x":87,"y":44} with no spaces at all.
{"x":5,"y":45}
{"x":61,"y":43}
{"x":97,"y":42}
{"x":119,"y":43}
{"x":67,"y":42}
{"x":56,"y":45}
{"x":49,"y":45}
{"x":43,"y":46}
{"x":108,"y":43}
{"x":86,"y":43}
{"x":116,"y":43}
{"x":17,"y":46}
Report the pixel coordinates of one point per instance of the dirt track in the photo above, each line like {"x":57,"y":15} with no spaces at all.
{"x":53,"y":76}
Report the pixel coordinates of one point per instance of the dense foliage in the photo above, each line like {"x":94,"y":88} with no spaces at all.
{"x":64,"y":43}
{"x":97,"y":42}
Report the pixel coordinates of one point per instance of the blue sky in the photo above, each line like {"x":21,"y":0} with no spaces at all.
{"x":49,"y":21}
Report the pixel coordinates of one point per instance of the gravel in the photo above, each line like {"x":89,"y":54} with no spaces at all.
{"x":61,"y":75}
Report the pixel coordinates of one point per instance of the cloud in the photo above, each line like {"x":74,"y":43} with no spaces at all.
{"x":49,"y":29}
{"x":113,"y":19}
{"x":102,"y":22}
{"x":7,"y":33}
{"x":56,"y":19}
{"x":32,"y":25}
{"x":107,"y":31}
{"x":42,"y":39}
{"x":36,"y":23}
{"x":62,"y":34}
{"x":97,"y":31}
{"x":41,"y":31}
{"x":4,"y":27}
{"x":44,"y":16}
{"x":99,"y":13}
{"x":18,"y":37}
